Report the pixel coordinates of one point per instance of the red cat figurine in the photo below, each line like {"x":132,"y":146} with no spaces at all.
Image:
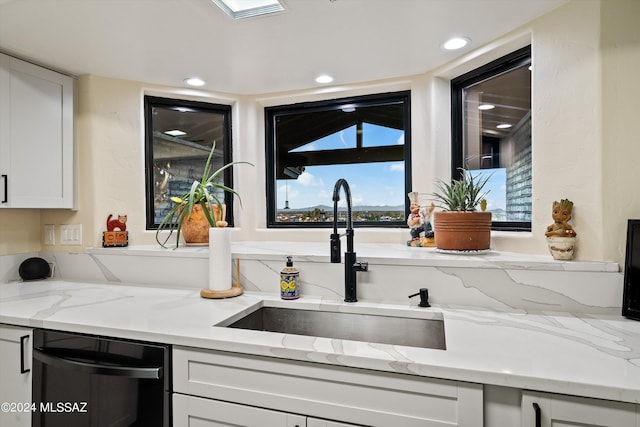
{"x":118,"y":224}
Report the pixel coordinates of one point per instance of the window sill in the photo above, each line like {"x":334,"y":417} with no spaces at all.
{"x":374,"y":253}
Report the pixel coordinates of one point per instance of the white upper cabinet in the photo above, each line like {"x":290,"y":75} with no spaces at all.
{"x":36,"y":136}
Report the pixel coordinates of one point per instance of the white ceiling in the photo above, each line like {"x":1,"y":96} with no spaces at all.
{"x":165,"y":41}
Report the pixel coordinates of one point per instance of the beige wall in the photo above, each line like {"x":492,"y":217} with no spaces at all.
{"x":620,"y":47}
{"x":585,"y":61}
{"x":566,"y":114}
{"x":19,"y":231}
{"x":110,"y":153}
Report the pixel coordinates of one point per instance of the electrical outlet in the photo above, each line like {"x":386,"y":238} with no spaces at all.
{"x":71,"y":234}
{"x":49,"y":234}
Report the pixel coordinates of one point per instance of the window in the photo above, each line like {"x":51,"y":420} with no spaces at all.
{"x":179,"y":137}
{"x":491,"y":133}
{"x":365,"y":140}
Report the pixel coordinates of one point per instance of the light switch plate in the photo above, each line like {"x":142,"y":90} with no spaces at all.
{"x":49,"y":234}
{"x":71,"y":234}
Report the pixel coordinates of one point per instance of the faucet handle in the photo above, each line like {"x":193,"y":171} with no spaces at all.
{"x":424,"y":297}
{"x":335,"y":248}
{"x":361,"y":266}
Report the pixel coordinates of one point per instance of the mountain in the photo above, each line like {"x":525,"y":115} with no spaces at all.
{"x":356,"y":208}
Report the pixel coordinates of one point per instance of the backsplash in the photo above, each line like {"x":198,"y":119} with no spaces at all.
{"x":492,"y":288}
{"x":499,"y":281}
{"x":9,"y":265}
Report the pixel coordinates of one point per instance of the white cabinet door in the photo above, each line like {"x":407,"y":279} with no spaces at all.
{"x":553,"y":410}
{"x":36,"y":136}
{"x":357,"y":396}
{"x":316,"y":422}
{"x":5,"y":133}
{"x":15,"y":376}
{"x":190,"y":411}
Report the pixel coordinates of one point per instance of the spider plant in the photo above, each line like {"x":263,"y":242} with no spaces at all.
{"x":464,"y":194}
{"x":201,"y":193}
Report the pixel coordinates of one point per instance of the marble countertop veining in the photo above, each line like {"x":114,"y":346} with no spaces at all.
{"x":587,"y":355}
{"x":377,"y":253}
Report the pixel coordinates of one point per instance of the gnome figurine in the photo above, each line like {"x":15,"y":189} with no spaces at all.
{"x":419,"y":218}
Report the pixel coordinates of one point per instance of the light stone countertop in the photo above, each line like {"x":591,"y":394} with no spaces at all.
{"x":378,"y":253}
{"x":587,"y":355}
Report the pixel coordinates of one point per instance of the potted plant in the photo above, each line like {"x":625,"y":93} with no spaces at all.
{"x":198,"y":209}
{"x":459,"y":227}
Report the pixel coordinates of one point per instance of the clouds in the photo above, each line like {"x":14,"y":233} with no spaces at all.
{"x":376,"y":183}
{"x":307,"y":190}
{"x":396,"y":167}
{"x":308,"y":180}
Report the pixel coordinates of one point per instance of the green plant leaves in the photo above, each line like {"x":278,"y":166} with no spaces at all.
{"x":200,"y":193}
{"x":463,"y":194}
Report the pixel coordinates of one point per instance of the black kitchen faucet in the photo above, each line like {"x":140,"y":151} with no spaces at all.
{"x":351,"y":265}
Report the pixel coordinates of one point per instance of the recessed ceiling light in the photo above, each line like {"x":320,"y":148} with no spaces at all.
{"x":175,"y":132}
{"x":324,"y":78}
{"x":486,"y":107}
{"x":238,"y":9}
{"x":504,"y":126}
{"x":194,"y":81}
{"x":456,"y":43}
{"x":348,"y":108}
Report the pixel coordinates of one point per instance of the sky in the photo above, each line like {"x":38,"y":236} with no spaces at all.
{"x":375,"y":184}
{"x":497,"y":187}
{"x":370,"y":183}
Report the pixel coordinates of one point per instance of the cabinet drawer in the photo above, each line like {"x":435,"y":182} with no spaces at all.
{"x":189,"y":411}
{"x":358,"y":396}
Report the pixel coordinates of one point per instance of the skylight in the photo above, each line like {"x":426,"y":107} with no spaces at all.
{"x":238,"y":9}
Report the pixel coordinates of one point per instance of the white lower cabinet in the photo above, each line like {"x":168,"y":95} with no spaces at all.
{"x":200,"y":412}
{"x":15,"y":376}
{"x":218,"y":388}
{"x":315,"y":422}
{"x":554,"y":410}
{"x":190,"y":411}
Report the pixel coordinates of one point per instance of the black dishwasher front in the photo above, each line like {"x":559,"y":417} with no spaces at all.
{"x":89,"y":381}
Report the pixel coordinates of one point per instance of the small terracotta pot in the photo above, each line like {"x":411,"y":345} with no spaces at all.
{"x":462,"y":231}
{"x":195,"y":228}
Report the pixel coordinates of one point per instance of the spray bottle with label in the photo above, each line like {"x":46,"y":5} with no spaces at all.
{"x":289,"y":276}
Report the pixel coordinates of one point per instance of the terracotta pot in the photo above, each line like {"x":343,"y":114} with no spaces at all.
{"x":462,"y":231}
{"x":195,"y":228}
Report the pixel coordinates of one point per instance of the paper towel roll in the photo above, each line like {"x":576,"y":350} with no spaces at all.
{"x":219,"y":258}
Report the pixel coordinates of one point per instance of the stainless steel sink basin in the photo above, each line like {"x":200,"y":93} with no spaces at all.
{"x":413,"y":332}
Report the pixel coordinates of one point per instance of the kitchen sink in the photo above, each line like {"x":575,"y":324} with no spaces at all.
{"x":406,"y":331}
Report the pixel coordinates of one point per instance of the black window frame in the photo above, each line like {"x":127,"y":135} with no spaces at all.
{"x":494,"y":68}
{"x":154,"y":101}
{"x":334,"y":104}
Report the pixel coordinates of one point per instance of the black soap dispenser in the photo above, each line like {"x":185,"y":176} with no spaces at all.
{"x":424,"y":297}
{"x":289,"y":277}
